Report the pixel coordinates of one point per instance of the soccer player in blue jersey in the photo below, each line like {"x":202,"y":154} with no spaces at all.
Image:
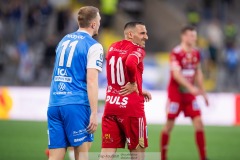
{"x":72,"y":111}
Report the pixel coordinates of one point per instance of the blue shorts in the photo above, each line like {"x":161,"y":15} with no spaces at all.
{"x":67,"y":126}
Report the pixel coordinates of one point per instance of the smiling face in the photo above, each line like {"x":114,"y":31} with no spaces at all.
{"x":137,"y":35}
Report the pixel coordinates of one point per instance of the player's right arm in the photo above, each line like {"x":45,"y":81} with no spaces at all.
{"x":177,"y":75}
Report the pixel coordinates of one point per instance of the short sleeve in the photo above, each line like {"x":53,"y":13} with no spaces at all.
{"x":134,"y":58}
{"x":95,"y":57}
{"x":139,"y":53}
{"x":174,"y":62}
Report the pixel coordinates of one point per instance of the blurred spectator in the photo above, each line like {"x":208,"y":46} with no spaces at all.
{"x":72,"y":24}
{"x":62,"y":20}
{"x":108,"y":10}
{"x":46,"y":10}
{"x":49,"y":52}
{"x":134,"y":8}
{"x":193,"y":14}
{"x":215,"y":38}
{"x":33,"y":16}
{"x":33,"y":21}
{"x":65,"y":21}
{"x":214,"y":35}
{"x":1,"y":29}
{"x":1,"y":24}
{"x":207,"y":6}
{"x":213,"y":54}
{"x":231,"y":66}
{"x":15,"y":14}
{"x":26,"y":65}
{"x":230,"y":33}
{"x":38,"y":17}
{"x":230,"y":3}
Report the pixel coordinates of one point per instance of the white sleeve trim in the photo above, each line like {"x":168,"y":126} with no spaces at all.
{"x":175,"y":66}
{"x":135,"y":56}
{"x":95,"y":57}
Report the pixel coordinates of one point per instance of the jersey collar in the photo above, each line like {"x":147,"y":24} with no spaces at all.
{"x":83,"y":31}
{"x":133,"y":43}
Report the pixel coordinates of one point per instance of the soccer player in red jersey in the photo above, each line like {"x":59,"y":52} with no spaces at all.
{"x":124,"y":117}
{"x":182,"y":91}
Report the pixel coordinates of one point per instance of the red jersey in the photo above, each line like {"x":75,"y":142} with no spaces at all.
{"x":124,"y":63}
{"x":187,"y":63}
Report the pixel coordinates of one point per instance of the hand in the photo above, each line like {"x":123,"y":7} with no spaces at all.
{"x":147,"y":96}
{"x":92,"y":127}
{"x":194,"y":90}
{"x":128,"y":88}
{"x":205,"y":99}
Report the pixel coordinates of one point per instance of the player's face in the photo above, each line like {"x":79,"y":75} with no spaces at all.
{"x":96,"y":24}
{"x":190,"y":38}
{"x":139,"y":35}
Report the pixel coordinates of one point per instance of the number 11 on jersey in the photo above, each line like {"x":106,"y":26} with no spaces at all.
{"x":70,"y":56}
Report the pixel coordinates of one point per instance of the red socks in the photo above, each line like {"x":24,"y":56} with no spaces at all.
{"x":200,"y":141}
{"x":164,"y":145}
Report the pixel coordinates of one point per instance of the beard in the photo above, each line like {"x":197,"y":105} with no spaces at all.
{"x":95,"y":33}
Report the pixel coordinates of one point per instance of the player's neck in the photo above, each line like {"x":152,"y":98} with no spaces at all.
{"x":130,"y":40}
{"x":186,"y":48}
{"x":89,"y":31}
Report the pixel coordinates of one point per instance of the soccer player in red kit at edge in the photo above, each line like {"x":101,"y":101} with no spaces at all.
{"x":185,"y":72}
{"x":124,"y":117}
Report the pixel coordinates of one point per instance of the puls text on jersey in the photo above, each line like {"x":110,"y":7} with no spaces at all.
{"x":121,"y":101}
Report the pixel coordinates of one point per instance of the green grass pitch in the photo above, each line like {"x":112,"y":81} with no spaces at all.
{"x":25,"y":140}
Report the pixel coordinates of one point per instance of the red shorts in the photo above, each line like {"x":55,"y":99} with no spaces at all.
{"x":119,"y":130}
{"x":186,"y":103}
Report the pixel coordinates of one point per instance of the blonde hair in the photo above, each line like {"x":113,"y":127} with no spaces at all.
{"x":86,"y":15}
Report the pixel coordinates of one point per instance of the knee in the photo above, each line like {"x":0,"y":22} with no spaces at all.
{"x":167,"y":128}
{"x":199,"y":127}
{"x":198,"y":124}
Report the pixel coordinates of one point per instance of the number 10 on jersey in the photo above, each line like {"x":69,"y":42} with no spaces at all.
{"x":117,"y":71}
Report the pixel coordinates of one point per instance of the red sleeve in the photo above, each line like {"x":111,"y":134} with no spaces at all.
{"x":134,"y":58}
{"x":199,"y":56}
{"x":174,"y":62}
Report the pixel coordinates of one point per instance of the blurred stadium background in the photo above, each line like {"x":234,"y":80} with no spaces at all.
{"x":31,"y":29}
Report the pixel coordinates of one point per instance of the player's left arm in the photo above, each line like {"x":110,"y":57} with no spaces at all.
{"x":94,"y":66}
{"x":92,"y":90}
{"x":133,"y":59}
{"x":199,"y":82}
